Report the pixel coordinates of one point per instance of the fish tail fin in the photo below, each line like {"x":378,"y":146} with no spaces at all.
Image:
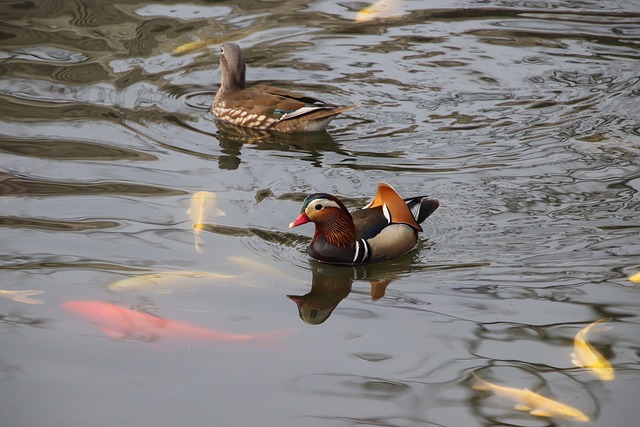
{"x":272,"y":338}
{"x":598,"y":325}
{"x":480,"y":384}
{"x":576,"y":361}
{"x":540,"y":412}
{"x":602,"y":328}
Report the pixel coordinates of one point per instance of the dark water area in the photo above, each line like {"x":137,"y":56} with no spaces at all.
{"x":522,"y":118}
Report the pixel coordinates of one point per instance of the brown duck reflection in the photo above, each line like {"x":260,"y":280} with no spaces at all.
{"x":330,"y":284}
{"x":233,"y":138}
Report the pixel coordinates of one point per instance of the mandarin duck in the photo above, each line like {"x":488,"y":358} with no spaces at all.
{"x":265,"y":107}
{"x":385,"y":228}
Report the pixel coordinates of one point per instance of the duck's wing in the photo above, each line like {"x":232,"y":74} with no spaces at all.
{"x":369,"y":222}
{"x":288,"y":94}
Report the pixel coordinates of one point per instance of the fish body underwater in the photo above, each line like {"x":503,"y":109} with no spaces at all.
{"x":587,"y":357}
{"x":535,"y":404}
{"x":21,"y":296}
{"x":168,"y":281}
{"x":124,"y":323}
{"x":202,"y":209}
{"x":379,"y":10}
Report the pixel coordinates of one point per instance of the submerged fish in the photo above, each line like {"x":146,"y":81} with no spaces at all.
{"x":635,"y":278}
{"x":188,"y":47}
{"x":380,"y":9}
{"x":255,"y":267}
{"x":164,"y":282}
{"x":200,"y":44}
{"x":21,"y":296}
{"x":124,"y":323}
{"x":535,"y":404}
{"x":585,"y":356}
{"x":203,"y":207}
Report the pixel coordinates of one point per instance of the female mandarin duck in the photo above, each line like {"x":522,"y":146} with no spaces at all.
{"x":265,"y":107}
{"x":385,"y":228}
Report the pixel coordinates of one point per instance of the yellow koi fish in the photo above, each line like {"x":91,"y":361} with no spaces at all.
{"x":381,"y":9}
{"x":165,"y":282}
{"x":21,"y":296}
{"x":201,"y":44}
{"x":535,"y":404}
{"x":635,"y":278}
{"x":255,"y":267}
{"x":203,"y":206}
{"x":585,"y":356}
{"x":188,"y":47}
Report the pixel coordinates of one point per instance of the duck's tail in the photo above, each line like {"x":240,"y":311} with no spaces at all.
{"x":316,"y":113}
{"x":421,"y":207}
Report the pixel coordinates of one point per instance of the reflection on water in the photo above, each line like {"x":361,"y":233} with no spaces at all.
{"x":521,"y":117}
{"x":330,"y":284}
{"x":12,"y":185}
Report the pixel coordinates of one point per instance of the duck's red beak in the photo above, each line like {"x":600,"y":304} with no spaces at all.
{"x":301,"y":219}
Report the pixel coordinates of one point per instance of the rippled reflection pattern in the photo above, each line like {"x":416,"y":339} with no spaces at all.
{"x":522,"y":118}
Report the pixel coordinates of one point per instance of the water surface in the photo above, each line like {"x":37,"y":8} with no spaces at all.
{"x":522,"y":118}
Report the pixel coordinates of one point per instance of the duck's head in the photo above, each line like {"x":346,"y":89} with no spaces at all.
{"x":323,"y":209}
{"x":232,"y":67}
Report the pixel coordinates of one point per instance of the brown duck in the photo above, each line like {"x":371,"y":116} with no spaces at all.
{"x":265,"y":107}
{"x":385,"y":228}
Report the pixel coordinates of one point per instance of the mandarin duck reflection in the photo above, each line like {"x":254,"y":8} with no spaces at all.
{"x":330,"y":284}
{"x":385,"y":228}
{"x":265,"y":107}
{"x":327,"y":290}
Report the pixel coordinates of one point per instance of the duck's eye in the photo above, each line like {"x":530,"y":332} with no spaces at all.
{"x":318,"y":206}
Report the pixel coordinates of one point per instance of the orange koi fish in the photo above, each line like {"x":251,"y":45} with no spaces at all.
{"x":535,"y":404}
{"x":123,"y":323}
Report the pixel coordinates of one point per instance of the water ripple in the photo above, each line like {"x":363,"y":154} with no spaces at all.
{"x":46,"y":54}
{"x":11,"y":184}
{"x":69,"y":150}
{"x":56,"y":225}
{"x":520,"y":116}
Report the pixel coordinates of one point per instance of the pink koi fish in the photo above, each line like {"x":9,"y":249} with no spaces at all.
{"x":123,"y":323}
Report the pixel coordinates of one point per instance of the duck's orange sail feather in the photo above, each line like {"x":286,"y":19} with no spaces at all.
{"x":398,"y":209}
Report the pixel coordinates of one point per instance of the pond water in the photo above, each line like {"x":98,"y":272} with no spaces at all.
{"x":522,"y":118}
